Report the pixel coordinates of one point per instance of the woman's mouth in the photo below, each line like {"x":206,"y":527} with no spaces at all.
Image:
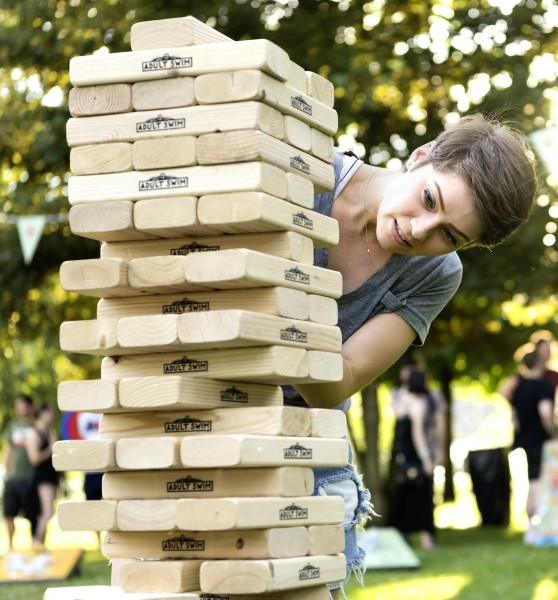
{"x":398,"y":234}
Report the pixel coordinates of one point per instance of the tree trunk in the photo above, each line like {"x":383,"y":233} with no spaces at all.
{"x":445,"y":380}
{"x":369,"y":457}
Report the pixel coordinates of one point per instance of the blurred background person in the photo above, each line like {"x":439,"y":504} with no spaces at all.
{"x":19,"y":496}
{"x":412,"y":507}
{"x":44,"y":478}
{"x":532,"y":406}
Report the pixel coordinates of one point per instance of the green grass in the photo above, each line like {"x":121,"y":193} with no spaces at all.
{"x":481,"y":563}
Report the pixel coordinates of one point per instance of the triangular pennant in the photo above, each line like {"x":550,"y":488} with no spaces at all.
{"x":30,"y":229}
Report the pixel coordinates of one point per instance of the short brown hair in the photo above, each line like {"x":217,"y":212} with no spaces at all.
{"x":497,"y":165}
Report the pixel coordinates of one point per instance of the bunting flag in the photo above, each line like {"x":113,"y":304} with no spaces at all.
{"x":30,"y":229}
{"x":545,"y":143}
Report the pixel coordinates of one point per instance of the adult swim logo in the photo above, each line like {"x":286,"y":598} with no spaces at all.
{"x":162,"y":182}
{"x":182,"y":543}
{"x":162,"y":63}
{"x":297,"y":276}
{"x":213,"y":597}
{"x":293,"y":513}
{"x":300,"y":103}
{"x":302,"y":220}
{"x":185,"y":306}
{"x":189,"y":484}
{"x":292,"y":334}
{"x":187,"y":424}
{"x":193,"y":247}
{"x":233,"y":394}
{"x":309,"y":572}
{"x":185,"y":365}
{"x":160,"y":123}
{"x":296,"y":451}
{"x":300,"y":165}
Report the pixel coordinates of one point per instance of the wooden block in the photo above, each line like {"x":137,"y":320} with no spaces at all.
{"x":114,"y":592}
{"x":209,"y":451}
{"x":325,"y":366}
{"x":297,"y":78}
{"x":83,"y":455}
{"x":263,"y":364}
{"x":101,"y":158}
{"x":93,"y":515}
{"x":174,"y":392}
{"x":237,"y":328}
{"x":139,"y":185}
{"x":218,"y":514}
{"x":241,"y":268}
{"x":146,"y":515}
{"x":146,"y":453}
{"x":279,"y":301}
{"x":208,"y":483}
{"x":93,"y":395}
{"x":94,"y":336}
{"x":180,"y":121}
{"x":161,"y":275}
{"x":193,"y":331}
{"x":264,"y":543}
{"x":169,"y":218}
{"x":129,"y":67}
{"x":273,"y":364}
{"x":106,"y":221}
{"x":274,"y":420}
{"x":182,"y":31}
{"x":258,"y":212}
{"x":100,"y":277}
{"x":163,"y":93}
{"x":164,"y":153}
{"x":250,"y":145}
{"x":327,"y":423}
{"x":320,"y":88}
{"x":167,"y":576}
{"x":238,"y":86}
{"x":285,"y":244}
{"x":257,"y":576}
{"x":322,"y":309}
{"x":326,"y":539}
{"x":298,"y":133}
{"x":321,"y":145}
{"x":100,"y":100}
{"x":300,"y":190}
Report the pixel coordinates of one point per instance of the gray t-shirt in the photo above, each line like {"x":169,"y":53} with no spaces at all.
{"x":414,"y":287}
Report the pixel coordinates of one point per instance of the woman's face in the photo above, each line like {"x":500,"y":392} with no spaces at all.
{"x":423,"y":212}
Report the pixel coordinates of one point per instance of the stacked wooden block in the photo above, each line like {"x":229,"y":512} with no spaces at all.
{"x":195,"y":160}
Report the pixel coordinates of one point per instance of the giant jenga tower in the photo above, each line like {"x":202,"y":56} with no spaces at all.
{"x":195,"y":160}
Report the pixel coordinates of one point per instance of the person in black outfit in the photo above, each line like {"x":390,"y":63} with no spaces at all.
{"x":532,"y":402}
{"x":44,"y":479}
{"x":412,"y":508}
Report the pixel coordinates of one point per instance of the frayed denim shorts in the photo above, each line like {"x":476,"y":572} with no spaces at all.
{"x":345,"y":482}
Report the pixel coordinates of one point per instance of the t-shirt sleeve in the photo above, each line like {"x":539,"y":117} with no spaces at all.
{"x":430,"y":296}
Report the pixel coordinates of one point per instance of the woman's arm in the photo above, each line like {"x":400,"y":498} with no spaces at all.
{"x":545,"y":413}
{"x":417,"y":413}
{"x":32,"y":443}
{"x":366,"y":355}
{"x":508,"y":387}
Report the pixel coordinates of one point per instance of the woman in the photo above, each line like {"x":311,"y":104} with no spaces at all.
{"x":45,"y":479}
{"x":399,"y":230}
{"x":532,"y":403}
{"x":413,"y":504}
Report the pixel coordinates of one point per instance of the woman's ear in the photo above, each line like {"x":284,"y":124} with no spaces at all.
{"x":419,"y":155}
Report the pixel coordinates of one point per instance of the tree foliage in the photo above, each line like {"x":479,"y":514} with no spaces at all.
{"x":401,"y":71}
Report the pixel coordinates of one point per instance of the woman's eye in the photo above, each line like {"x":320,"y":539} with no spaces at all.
{"x":428,"y":199}
{"x":450,"y":237}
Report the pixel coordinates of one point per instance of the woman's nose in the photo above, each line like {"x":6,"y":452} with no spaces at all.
{"x":422,"y":226}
